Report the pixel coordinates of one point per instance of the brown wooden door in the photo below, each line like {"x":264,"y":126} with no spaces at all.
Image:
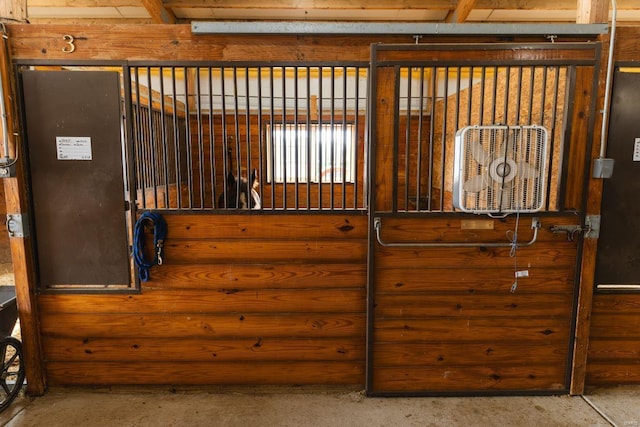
{"x":444,"y":314}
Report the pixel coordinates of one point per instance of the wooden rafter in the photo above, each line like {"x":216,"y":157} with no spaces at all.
{"x":159,"y":13}
{"x":13,"y":10}
{"x":461,"y":12}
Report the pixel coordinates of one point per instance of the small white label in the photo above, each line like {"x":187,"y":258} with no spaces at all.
{"x":522,"y":273}
{"x":636,"y":151}
{"x":74,"y":148}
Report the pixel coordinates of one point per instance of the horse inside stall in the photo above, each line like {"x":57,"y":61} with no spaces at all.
{"x":238,"y":193}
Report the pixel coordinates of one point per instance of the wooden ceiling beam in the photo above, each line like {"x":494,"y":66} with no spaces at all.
{"x":592,"y":11}
{"x":313,"y":4}
{"x":13,"y":10}
{"x":159,"y":13}
{"x":461,"y":12}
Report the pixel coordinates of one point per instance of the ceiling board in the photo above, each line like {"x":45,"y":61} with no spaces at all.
{"x":86,"y":11}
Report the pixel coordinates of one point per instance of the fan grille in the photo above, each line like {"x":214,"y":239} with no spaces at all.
{"x":500,"y":169}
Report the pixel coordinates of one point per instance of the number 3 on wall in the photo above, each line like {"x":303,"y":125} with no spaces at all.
{"x":69,"y":40}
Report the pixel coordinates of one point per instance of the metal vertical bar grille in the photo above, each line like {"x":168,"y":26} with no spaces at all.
{"x":434,"y":102}
{"x":249,"y":136}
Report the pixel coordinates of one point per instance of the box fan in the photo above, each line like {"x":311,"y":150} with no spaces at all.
{"x":500,"y":169}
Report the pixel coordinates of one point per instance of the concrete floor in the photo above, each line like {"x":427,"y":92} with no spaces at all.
{"x":155,"y":407}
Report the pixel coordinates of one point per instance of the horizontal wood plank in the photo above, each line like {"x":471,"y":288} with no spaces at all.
{"x":607,"y":304}
{"x":613,"y":350}
{"x":532,"y":330}
{"x":613,"y":356}
{"x":490,"y":353}
{"x":474,"y":280}
{"x":228,"y":300}
{"x":205,"y":373}
{"x":277,"y":227}
{"x":261,"y":276}
{"x":622,"y":325}
{"x":538,"y":255}
{"x":470,"y":230}
{"x":257,"y":350}
{"x":178,"y":251}
{"x":522,"y":54}
{"x":469,"y":378}
{"x":506,"y":304}
{"x":613,"y":373}
{"x":115,"y":42}
{"x":238,"y":325}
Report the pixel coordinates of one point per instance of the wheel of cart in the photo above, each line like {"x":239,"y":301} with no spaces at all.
{"x":12,"y":375}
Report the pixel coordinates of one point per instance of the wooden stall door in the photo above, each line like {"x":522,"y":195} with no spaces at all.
{"x":444,"y":320}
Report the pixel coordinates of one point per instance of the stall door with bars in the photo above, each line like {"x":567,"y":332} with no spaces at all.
{"x":460,"y":302}
{"x":73,"y":123}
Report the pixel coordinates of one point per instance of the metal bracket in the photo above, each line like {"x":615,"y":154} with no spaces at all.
{"x":7,"y":170}
{"x":593,"y":226}
{"x":17,"y":225}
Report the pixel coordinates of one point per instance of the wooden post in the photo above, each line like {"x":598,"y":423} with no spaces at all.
{"x":21,"y":247}
{"x":589,"y":12}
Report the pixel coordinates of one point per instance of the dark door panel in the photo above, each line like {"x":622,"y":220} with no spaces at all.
{"x":75,"y":157}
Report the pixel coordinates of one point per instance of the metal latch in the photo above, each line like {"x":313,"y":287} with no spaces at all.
{"x":590,"y":230}
{"x":17,"y":225}
{"x":571,"y":230}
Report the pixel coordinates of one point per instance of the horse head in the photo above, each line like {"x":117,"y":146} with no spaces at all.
{"x":239,"y":195}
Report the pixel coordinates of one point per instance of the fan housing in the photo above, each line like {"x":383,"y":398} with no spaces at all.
{"x":500,"y":169}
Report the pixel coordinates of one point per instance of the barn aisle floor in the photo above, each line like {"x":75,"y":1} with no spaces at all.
{"x":143,"y":407}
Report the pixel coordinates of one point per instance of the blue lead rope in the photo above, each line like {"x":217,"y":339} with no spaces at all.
{"x":159,"y":235}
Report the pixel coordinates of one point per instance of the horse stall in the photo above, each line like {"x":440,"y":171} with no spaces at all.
{"x":361,"y":211}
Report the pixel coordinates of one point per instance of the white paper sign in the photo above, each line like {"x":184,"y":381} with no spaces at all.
{"x":636,"y":150}
{"x":74,"y":148}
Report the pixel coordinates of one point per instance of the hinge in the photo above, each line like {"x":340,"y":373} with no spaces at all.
{"x":17,"y":225}
{"x":592,"y":223}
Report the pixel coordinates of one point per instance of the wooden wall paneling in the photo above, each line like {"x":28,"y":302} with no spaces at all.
{"x":177,"y":43}
{"x":225,"y":319}
{"x":228,"y":325}
{"x":542,"y":279}
{"x":233,"y":276}
{"x":478,"y":257}
{"x":197,"y":251}
{"x":223,"y":301}
{"x":614,"y":341}
{"x":207,"y":373}
{"x":251,"y":349}
{"x":462,"y":378}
